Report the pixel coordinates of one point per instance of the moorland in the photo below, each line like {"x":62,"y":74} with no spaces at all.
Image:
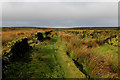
{"x":60,"y":53}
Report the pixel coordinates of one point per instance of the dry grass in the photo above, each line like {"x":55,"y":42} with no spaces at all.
{"x":11,"y":35}
{"x":97,"y":64}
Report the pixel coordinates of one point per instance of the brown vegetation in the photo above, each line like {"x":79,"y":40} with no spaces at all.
{"x":10,"y":35}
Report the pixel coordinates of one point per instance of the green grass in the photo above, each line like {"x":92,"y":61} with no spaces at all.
{"x":111,"y":53}
{"x":68,"y":66}
{"x":46,"y":63}
{"x":108,"y":48}
{"x":48,"y":59}
{"x":42,"y":65}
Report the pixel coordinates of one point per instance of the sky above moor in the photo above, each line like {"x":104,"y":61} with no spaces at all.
{"x":60,"y":14}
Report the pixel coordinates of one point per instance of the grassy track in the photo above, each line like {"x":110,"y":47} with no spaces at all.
{"x":62,"y":54}
{"x":47,"y":61}
{"x":67,"y":64}
{"x":44,"y":63}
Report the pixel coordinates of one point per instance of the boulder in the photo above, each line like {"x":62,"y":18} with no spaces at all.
{"x":48,"y":32}
{"x":40,"y":36}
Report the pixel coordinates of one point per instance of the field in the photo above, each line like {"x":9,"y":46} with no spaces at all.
{"x":88,"y":53}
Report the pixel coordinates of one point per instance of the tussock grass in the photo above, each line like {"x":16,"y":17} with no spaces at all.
{"x":95,"y":50}
{"x":8,"y":36}
{"x":99,"y":60}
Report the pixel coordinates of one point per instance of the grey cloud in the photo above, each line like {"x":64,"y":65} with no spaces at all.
{"x":60,"y":14}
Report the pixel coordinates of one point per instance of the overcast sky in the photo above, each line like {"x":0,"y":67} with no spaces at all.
{"x":60,"y":14}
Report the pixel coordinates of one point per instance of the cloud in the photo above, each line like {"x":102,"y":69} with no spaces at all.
{"x":60,"y":14}
{"x":59,"y":0}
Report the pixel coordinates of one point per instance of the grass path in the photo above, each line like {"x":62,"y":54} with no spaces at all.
{"x":44,"y":63}
{"x":47,"y":60}
{"x":53,"y":61}
{"x":67,"y":64}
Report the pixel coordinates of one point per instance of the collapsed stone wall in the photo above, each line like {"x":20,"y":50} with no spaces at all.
{"x":43,"y":36}
{"x":16,"y":51}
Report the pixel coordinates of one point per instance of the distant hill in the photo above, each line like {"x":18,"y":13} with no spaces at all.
{"x":77,"y":28}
